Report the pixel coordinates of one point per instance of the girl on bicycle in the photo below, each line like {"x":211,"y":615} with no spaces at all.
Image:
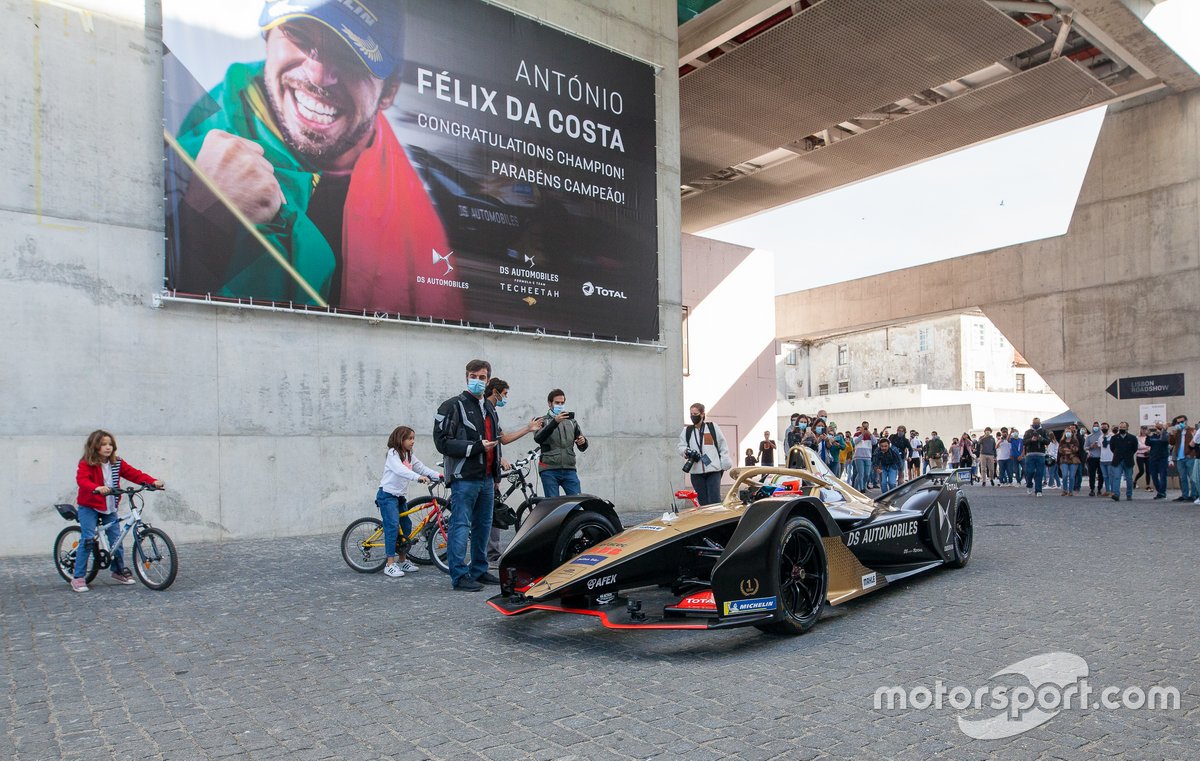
{"x":399,"y":470}
{"x":99,"y":472}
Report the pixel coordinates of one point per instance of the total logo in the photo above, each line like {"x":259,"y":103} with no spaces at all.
{"x":589,"y":289}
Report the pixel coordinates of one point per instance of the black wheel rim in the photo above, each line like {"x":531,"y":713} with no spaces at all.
{"x":963,"y":531}
{"x":587,"y":535}
{"x":801,"y":576}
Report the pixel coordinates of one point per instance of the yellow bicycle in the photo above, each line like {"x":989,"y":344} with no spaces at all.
{"x":362,"y":541}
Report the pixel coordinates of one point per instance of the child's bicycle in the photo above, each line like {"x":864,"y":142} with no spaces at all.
{"x":362,"y":541}
{"x":154,"y":560}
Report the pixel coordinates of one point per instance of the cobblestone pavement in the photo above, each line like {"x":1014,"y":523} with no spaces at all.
{"x":275,"y":649}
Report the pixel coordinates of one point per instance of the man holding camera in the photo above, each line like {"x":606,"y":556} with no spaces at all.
{"x":559,"y":436}
{"x":705,"y":454}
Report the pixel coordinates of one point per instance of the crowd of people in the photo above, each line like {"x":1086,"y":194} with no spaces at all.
{"x":1108,"y":455}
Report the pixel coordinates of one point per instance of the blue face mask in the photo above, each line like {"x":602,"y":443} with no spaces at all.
{"x":819,"y":428}
{"x":1183,"y":426}
{"x":557,"y":409}
{"x":1095,"y":429}
{"x":475,"y":386}
{"x":502,"y":402}
{"x":802,"y":426}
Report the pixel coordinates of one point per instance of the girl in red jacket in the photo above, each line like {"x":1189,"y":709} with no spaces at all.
{"x":99,"y":472}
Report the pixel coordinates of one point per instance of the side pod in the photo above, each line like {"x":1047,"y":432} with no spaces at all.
{"x":532,"y":549}
{"x":749,"y":567}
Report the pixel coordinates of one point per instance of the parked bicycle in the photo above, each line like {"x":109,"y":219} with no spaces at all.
{"x":155,"y":561}
{"x":362,"y":541}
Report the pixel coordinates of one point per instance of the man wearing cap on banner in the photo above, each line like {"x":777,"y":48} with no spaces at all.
{"x":298,"y":145}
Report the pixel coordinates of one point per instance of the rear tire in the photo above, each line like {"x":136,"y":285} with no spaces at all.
{"x":65,"y":546}
{"x":803,"y":578}
{"x":964,"y":534}
{"x":355,"y":551}
{"x":584,"y":530}
{"x":418,"y":549}
{"x":155,"y":561}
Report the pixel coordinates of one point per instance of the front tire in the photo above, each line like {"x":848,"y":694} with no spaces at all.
{"x":66,"y":544}
{"x":584,"y":530}
{"x":803,"y":578}
{"x":964,"y":534}
{"x":359,"y":550}
{"x":155,"y":561}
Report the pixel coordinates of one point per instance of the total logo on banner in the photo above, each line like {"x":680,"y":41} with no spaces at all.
{"x":590,"y":289}
{"x":754,"y":605}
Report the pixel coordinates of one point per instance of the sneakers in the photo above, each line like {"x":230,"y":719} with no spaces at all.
{"x":1038,"y":494}
{"x":79,"y":585}
{"x":123,"y":576}
{"x":1029,"y":491}
{"x":467,"y":584}
{"x":409,"y":567}
{"x":394,"y":570}
{"x":1116,"y":498}
{"x":487,"y":578}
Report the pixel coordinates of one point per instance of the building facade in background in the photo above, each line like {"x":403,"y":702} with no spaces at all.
{"x":950,"y":373}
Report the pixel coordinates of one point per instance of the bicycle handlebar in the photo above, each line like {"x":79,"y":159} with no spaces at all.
{"x":128,"y":489}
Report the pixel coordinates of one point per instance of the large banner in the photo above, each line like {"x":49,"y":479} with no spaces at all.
{"x":435,"y":159}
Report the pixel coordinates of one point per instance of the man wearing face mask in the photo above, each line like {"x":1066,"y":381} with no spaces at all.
{"x":558,"y":439}
{"x":1123,"y":447}
{"x":1091,"y":448}
{"x":1159,"y":442}
{"x":1182,"y":456}
{"x":1106,"y":458}
{"x":705,"y":454}
{"x":935,"y":452}
{"x":466,"y":431}
{"x":903,"y":449}
{"x":496,"y":392}
{"x":1033,"y":452}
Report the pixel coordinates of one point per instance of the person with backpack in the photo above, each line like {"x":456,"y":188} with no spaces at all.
{"x":705,"y":454}
{"x":466,"y":431}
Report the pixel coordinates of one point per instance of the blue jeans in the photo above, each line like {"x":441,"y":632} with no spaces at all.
{"x":389,"y":509}
{"x":1070,"y":471}
{"x":1106,"y":470}
{"x":1035,"y":470}
{"x":1116,"y":472}
{"x":862,"y":468}
{"x":88,"y":518}
{"x":887,"y":478}
{"x":1158,"y":475}
{"x":567,"y":478}
{"x":1052,"y":478}
{"x":1184,"y":469}
{"x":707,"y":487}
{"x":1005,"y":471}
{"x":471,"y":504}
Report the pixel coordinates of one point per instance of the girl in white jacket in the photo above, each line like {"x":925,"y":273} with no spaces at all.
{"x":399,"y":470}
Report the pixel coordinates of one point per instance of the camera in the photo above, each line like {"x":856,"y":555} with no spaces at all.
{"x":693,"y":457}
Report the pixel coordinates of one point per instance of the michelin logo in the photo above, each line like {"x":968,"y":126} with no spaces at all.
{"x":753,"y":605}
{"x":590,"y":289}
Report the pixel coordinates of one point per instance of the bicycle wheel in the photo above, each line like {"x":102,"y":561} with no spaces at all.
{"x":155,"y":562}
{"x":418,"y":549}
{"x":438,"y":542}
{"x":362,"y":545}
{"x":65,"y":547}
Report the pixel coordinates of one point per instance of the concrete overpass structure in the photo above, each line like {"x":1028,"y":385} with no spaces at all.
{"x":780,"y":101}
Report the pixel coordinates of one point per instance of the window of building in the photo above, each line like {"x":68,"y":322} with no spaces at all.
{"x":1020,"y":381}
{"x":843,"y":387}
{"x":791,"y":356}
{"x":843,"y":354}
{"x":980,"y":334}
{"x":823,"y":389}
{"x":980,"y":381}
{"x":923,"y":339}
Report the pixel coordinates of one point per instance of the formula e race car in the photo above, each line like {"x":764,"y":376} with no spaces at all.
{"x":783,"y":543}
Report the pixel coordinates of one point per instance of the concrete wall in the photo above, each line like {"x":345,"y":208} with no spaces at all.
{"x":1117,"y":296}
{"x":262,"y":424}
{"x":731,"y":339}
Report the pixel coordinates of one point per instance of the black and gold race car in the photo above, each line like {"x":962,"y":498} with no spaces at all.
{"x":784,"y":543}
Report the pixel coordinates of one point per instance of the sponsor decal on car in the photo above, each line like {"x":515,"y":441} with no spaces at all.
{"x":749,"y":587}
{"x":602,"y":581}
{"x":869,"y":580}
{"x":753,"y":605}
{"x":881,"y":533}
{"x":647,"y":528}
{"x":588,"y":560}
